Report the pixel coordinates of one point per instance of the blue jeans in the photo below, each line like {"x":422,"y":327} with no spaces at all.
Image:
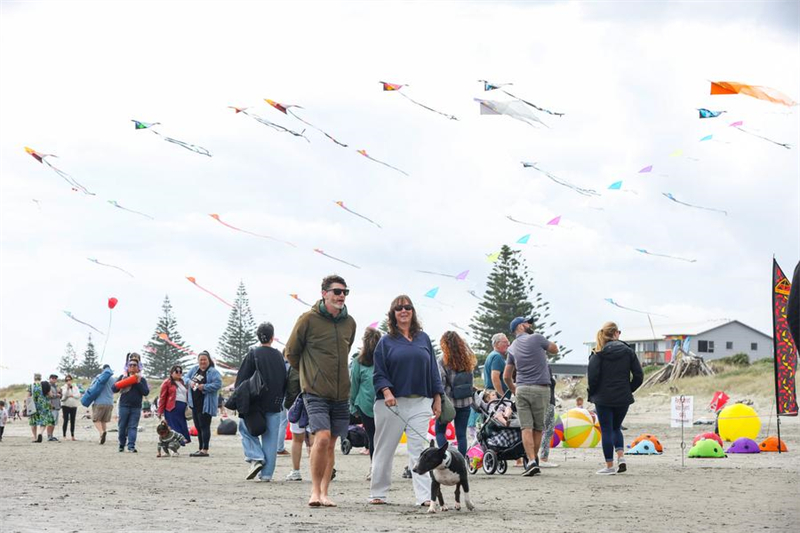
{"x":282,"y":430}
{"x":610,"y":418}
{"x":128,"y":425}
{"x":264,"y":448}
{"x":460,"y":423}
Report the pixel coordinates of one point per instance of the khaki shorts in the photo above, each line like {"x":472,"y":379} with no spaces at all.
{"x":532,"y":402}
{"x":101,"y":413}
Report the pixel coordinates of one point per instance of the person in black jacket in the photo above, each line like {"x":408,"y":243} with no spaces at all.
{"x":793,"y":307}
{"x":614,"y":373}
{"x":260,"y":425}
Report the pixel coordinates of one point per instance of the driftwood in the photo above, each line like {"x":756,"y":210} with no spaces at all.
{"x":683,"y":365}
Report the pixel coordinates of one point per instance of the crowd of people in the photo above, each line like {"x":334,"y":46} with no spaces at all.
{"x":394,"y":386}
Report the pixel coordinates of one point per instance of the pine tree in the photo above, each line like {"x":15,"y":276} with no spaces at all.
{"x":159,"y":355}
{"x":69,"y":361}
{"x":89,"y":366}
{"x":508,"y":295}
{"x":240,"y":333}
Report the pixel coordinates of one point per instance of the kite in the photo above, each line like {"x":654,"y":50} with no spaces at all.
{"x":679,"y":153}
{"x":110,"y":266}
{"x":164,"y":337}
{"x":524,"y":239}
{"x":286,"y":110}
{"x":82,"y":322}
{"x":706,"y":113}
{"x":579,"y":190}
{"x":321,"y":252}
{"x":707,"y":138}
{"x":216,"y":217}
{"x":193,"y":281}
{"x":395,"y":87}
{"x":341,"y":204}
{"x":492,"y":86}
{"x":616,"y":186}
{"x":612,"y":302}
{"x":669,"y":195}
{"x":191,"y":147}
{"x":296,"y":297}
{"x":555,"y":221}
{"x":364,"y":153}
{"x":492,"y":258}
{"x":374,"y":325}
{"x":761,"y":93}
{"x":432,"y":293}
{"x":738,"y":125}
{"x":115,"y":204}
{"x":461,"y":276}
{"x":41,"y":158}
{"x":266,"y":122}
{"x":645,"y":170}
{"x":517,"y":110}
{"x":641,"y":250}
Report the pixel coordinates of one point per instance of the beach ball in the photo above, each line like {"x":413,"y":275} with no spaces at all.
{"x":738,"y":420}
{"x":558,"y":433}
{"x":712,"y":436}
{"x":743,"y":445}
{"x":193,"y":431}
{"x":770,"y":444}
{"x":580,"y":430}
{"x":651,"y":438}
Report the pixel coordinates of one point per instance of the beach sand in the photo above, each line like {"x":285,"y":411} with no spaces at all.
{"x":82,"y":486}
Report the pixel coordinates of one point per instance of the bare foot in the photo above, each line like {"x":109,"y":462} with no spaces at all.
{"x":314,"y":501}
{"x":326,"y":502}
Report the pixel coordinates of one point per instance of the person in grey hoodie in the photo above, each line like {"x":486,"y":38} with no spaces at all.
{"x":614,"y":374}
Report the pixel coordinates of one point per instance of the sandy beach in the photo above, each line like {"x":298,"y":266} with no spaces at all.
{"x":81,"y":486}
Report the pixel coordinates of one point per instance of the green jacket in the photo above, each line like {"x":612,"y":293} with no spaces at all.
{"x":319,"y":347}
{"x":362,"y":391}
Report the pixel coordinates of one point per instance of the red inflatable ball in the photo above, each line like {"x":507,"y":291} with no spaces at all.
{"x":127,"y":382}
{"x":112,"y":302}
{"x":449,"y":433}
{"x":712,"y":436}
{"x":193,"y":431}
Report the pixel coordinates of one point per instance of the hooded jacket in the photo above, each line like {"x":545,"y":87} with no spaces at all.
{"x":319,"y":347}
{"x":614,"y":373}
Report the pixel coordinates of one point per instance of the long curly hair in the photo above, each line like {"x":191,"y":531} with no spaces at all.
{"x":414,"y":327}
{"x":369,"y":342}
{"x":456,"y":355}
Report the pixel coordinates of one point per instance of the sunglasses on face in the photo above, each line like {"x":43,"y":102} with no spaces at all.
{"x":178,"y":371}
{"x":339,"y":292}
{"x":406,"y":307}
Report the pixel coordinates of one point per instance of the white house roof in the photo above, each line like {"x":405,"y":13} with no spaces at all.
{"x":660,"y":331}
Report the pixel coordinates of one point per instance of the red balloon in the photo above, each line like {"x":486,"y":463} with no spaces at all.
{"x":112,"y":302}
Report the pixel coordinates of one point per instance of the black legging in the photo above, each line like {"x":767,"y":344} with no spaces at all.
{"x":369,"y":425}
{"x":69,"y":414}
{"x":202,"y":421}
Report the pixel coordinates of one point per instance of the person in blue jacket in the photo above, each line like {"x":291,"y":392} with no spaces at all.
{"x":100,"y":395}
{"x":204,"y":382}
{"x":130,"y":403}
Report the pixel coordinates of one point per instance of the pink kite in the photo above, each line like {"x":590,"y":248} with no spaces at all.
{"x":216,"y":217}
{"x":194,"y":282}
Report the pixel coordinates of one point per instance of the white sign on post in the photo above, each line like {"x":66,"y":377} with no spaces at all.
{"x":682,"y":411}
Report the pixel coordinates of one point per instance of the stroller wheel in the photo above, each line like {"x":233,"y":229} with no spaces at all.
{"x":346,"y":446}
{"x":490,"y":462}
{"x":502,"y":467}
{"x":472,"y":467}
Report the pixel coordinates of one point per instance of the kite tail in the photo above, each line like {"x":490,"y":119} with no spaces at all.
{"x":386,"y":165}
{"x":451,"y":117}
{"x":785,"y":145}
{"x":534,"y":105}
{"x":69,"y":179}
{"x":316,"y":128}
{"x":277,"y":127}
{"x":191,"y":147}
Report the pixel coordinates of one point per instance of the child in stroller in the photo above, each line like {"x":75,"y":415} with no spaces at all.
{"x":500,"y":438}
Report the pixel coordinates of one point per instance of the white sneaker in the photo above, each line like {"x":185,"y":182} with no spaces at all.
{"x":255,"y":469}
{"x":546,"y":464}
{"x":607,"y":471}
{"x":294,"y":475}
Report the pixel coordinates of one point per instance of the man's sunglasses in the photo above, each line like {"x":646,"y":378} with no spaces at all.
{"x":406,"y":307}
{"x":339,"y":292}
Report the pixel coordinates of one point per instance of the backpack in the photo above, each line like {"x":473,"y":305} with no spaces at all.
{"x":461,"y":385}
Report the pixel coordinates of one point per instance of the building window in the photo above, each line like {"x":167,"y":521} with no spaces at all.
{"x":729,"y":345}
{"x":753,"y":346}
{"x":705,"y":346}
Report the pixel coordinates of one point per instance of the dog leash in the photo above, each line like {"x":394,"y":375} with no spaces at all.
{"x":396,"y":412}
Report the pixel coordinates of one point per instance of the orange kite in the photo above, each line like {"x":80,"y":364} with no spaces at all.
{"x":756,"y":91}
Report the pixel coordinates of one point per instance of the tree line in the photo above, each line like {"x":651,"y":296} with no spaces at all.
{"x":510,"y":292}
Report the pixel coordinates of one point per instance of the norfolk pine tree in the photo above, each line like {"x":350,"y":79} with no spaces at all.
{"x":160,"y":356}
{"x":240,"y":333}
{"x":69,"y":361}
{"x":89,"y":366}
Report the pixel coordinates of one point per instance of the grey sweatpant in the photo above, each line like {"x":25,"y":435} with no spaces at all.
{"x":389,"y":429}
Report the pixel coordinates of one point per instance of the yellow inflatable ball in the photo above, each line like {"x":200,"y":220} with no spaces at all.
{"x":737,"y":421}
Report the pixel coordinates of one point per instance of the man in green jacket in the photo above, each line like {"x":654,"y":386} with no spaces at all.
{"x":319,"y":347}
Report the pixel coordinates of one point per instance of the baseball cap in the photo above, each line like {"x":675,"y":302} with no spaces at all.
{"x":519,"y":320}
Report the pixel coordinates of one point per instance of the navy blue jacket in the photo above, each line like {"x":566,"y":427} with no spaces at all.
{"x":614,"y":373}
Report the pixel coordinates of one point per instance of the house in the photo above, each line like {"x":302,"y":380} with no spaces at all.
{"x":712,"y":339}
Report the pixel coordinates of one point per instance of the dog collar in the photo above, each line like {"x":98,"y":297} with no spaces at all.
{"x":447,"y":459}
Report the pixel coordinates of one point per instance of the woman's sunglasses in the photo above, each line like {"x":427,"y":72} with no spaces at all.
{"x":339,"y":292}
{"x":178,"y":371}
{"x":406,"y":307}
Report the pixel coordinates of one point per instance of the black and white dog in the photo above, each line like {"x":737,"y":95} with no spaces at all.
{"x":446,"y":467}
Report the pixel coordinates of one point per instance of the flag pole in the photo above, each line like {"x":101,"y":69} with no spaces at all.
{"x":775,"y":353}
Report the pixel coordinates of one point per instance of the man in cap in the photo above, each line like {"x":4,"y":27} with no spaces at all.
{"x":527,"y":355}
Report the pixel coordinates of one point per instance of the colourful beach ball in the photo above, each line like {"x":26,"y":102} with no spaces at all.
{"x":580,"y":430}
{"x":738,"y":420}
{"x":558,"y":433}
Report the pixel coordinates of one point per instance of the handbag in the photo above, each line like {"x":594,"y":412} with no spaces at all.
{"x":30,"y":405}
{"x":297,"y":412}
{"x":448,"y":413}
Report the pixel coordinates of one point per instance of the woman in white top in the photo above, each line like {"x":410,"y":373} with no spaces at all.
{"x":70,"y":401}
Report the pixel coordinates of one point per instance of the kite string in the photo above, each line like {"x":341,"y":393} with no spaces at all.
{"x":110,"y":316}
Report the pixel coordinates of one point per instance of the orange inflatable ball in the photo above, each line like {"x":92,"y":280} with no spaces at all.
{"x":770,"y":444}
{"x":651,"y":438}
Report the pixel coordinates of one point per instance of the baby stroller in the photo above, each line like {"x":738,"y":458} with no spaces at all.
{"x":498,"y":443}
{"x":356,"y":436}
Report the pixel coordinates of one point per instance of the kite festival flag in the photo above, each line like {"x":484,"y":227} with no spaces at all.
{"x":784,"y":349}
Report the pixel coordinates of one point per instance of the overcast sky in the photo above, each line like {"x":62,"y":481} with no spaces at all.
{"x":628,"y":77}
